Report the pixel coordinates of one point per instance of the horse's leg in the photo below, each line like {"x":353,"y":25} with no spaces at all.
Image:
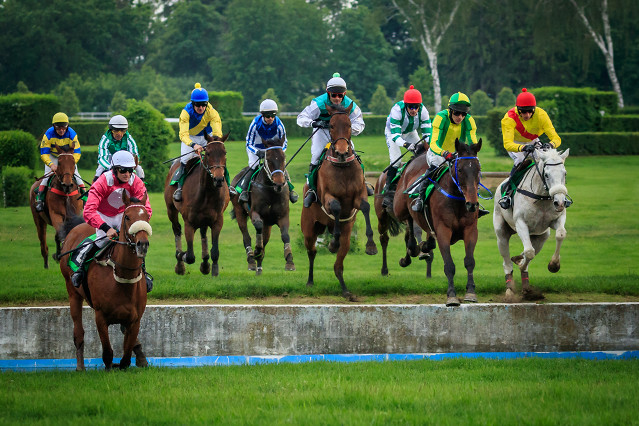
{"x":503,"y":233}
{"x":241,"y":217}
{"x":103,"y":331}
{"x":283,"y":224}
{"x":75,"y":303}
{"x":470,"y":240}
{"x":382,"y":227}
{"x":528,"y":253}
{"x":338,"y":267}
{"x":189,"y":233}
{"x":140,"y":357}
{"x":443,"y":238}
{"x":529,"y":292}
{"x":215,"y":250}
{"x":41,"y":227}
{"x":336,"y":209}
{"x":177,"y":233}
{"x":411,"y":244}
{"x":258,"y":224}
{"x":365,"y":207}
{"x":560,"y":235}
{"x":130,"y":340}
{"x":205,"y":268}
{"x":266,"y":235}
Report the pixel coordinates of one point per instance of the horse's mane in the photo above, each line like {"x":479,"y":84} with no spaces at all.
{"x":69,"y":223}
{"x":550,"y":154}
{"x":339,"y":108}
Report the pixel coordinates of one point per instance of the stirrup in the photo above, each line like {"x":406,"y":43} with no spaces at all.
{"x":244,"y":196}
{"x":77,"y":278}
{"x":309,"y":198}
{"x":504,"y":202}
{"x":39,"y":206}
{"x":482,"y":212}
{"x":292,"y":196}
{"x":177,"y":195}
{"x":418,"y":205}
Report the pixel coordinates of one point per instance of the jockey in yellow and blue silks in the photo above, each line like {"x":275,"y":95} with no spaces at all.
{"x":521,"y":128}
{"x":199,"y":122}
{"x":316,"y":115}
{"x":405,"y":118}
{"x":264,"y":126}
{"x":448,"y":125}
{"x":58,"y":135}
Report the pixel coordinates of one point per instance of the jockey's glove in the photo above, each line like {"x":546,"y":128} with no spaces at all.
{"x":547,"y":146}
{"x":529,"y":148}
{"x":320,"y":124}
{"x":410,"y":146}
{"x":260,"y":153}
{"x":449,"y":156}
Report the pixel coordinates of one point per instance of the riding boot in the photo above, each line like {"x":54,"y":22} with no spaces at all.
{"x":506,"y":201}
{"x":148,"y":277}
{"x":39,"y":199}
{"x":482,"y":212}
{"x":418,"y":204}
{"x":78,"y":258}
{"x":244,"y":184}
{"x":389,"y":187}
{"x":177,"y":177}
{"x":310,"y":196}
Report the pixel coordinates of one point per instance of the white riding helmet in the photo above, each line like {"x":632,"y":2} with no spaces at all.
{"x":268,"y":105}
{"x":336,"y":84}
{"x":123,"y":159}
{"x":118,"y":122}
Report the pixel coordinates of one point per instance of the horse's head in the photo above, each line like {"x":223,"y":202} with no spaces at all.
{"x":66,"y":167}
{"x":465,"y":170}
{"x":553,"y":172}
{"x":340,"y":130}
{"x":214,"y":159}
{"x":135,"y":228}
{"x":275,"y":162}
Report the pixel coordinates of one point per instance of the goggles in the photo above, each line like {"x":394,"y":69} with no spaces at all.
{"x":199,"y":104}
{"x":337,"y":95}
{"x":412,"y":106}
{"x":125,"y":170}
{"x":269,"y":114}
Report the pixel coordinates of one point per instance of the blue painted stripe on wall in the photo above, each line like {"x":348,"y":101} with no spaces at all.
{"x":96,"y":363}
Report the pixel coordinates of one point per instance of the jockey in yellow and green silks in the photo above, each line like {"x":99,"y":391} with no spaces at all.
{"x":521,"y":127}
{"x":58,"y":135}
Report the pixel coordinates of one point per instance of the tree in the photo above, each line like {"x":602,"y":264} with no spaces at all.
{"x":603,"y":41}
{"x":505,"y":97}
{"x":423,"y":81}
{"x":270,"y":94}
{"x":380,"y":103}
{"x":480,"y":102}
{"x":21,"y":87}
{"x":69,"y":102}
{"x":429,"y":20}
{"x":119,"y":102}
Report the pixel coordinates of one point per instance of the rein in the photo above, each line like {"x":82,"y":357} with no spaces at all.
{"x":334,"y":160}
{"x":548,"y":197}
{"x":209,"y":169}
{"x":267,"y":170}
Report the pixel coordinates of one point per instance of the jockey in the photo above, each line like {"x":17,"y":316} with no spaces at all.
{"x":448,"y":125}
{"x":265,"y":126}
{"x":317,"y":116}
{"x":116,"y":138}
{"x":199,"y":122}
{"x":60,"y":134}
{"x":104,"y":210}
{"x":521,"y":128}
{"x":401,"y":130}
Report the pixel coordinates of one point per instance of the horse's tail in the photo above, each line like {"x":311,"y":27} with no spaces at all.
{"x":69,"y":223}
{"x":394,"y":226}
{"x":232,"y":214}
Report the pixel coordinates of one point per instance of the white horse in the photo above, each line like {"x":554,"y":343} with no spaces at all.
{"x":538,"y":204}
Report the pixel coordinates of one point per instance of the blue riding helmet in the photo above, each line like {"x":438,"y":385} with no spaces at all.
{"x":198,"y":94}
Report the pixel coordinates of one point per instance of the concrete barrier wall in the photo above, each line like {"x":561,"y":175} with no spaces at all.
{"x":207,"y":330}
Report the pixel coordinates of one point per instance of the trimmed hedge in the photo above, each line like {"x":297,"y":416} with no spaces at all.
{"x":16,"y":183}
{"x":89,"y":160}
{"x":601,"y":143}
{"x":228,"y":104}
{"x":18,"y":148}
{"x":89,"y":132}
{"x":620,"y":123}
{"x":29,"y":112}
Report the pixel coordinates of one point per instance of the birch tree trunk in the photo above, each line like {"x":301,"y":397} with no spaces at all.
{"x":604,"y":42}
{"x":429,"y":23}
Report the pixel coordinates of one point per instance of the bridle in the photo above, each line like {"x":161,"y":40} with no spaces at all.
{"x":541,"y":174}
{"x":270,"y":173}
{"x":55,"y":175}
{"x":204,"y":164}
{"x":334,"y":160}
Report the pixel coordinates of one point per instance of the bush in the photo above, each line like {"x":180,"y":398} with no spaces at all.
{"x":88,"y":160}
{"x":89,"y":131}
{"x":228,"y":104}
{"x":505,"y":98}
{"x":380,"y":103}
{"x":29,"y":112}
{"x":16,"y":183}
{"x":601,"y":143}
{"x":480,"y":102}
{"x":153,"y":135}
{"x":18,"y":148}
{"x":620,"y":123}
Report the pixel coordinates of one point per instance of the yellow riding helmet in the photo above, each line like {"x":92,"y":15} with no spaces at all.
{"x":459,"y":102}
{"x":60,"y":117}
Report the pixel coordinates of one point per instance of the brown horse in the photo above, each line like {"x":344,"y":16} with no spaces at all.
{"x":269,"y":206}
{"x":341,"y":192}
{"x":205,"y":196}
{"x":61,"y":201}
{"x":388,"y":225}
{"x":450,"y":214}
{"x":115,"y":287}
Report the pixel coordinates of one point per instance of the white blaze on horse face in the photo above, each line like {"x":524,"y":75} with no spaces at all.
{"x":140,"y":225}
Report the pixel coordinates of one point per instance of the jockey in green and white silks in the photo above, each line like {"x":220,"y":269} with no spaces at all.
{"x":405,"y":118}
{"x":316,"y":115}
{"x":117,"y":138}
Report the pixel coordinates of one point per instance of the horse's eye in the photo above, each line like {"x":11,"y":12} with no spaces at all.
{"x":126,"y":217}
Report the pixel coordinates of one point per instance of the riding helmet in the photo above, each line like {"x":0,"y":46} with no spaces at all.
{"x":118,"y":122}
{"x":198,"y":94}
{"x":459,"y":102}
{"x":526,"y":99}
{"x":60,"y":117}
{"x":123,"y":159}
{"x":412,"y":96}
{"x":268,"y":105}
{"x":336,"y":84}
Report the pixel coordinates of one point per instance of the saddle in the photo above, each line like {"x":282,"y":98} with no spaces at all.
{"x":190,"y":166}
{"x":312,"y":175}
{"x":434,"y":178}
{"x":517,"y":177}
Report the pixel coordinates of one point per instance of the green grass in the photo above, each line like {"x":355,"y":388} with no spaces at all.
{"x":460,"y":391}
{"x":600,"y":255}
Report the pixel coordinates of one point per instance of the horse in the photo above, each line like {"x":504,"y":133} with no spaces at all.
{"x":538,"y":204}
{"x":61,"y":200}
{"x":341,"y":192}
{"x":115,"y":288}
{"x":388,"y":225}
{"x":205,"y":196}
{"x":450,"y":213}
{"x":269,"y":206}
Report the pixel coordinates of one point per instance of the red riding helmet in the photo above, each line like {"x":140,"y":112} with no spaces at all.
{"x":526,"y":99}
{"x":412,"y":96}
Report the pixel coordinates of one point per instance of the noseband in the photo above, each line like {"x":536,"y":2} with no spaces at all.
{"x":267,"y":170}
{"x":209,"y":169}
{"x":334,"y":160}
{"x":548,"y":197}
{"x":63,"y":193}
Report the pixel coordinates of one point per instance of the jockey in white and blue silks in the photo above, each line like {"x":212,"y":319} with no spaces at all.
{"x":316,"y":115}
{"x":264,"y":126}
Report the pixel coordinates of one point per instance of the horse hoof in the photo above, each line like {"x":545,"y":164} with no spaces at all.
{"x":142,"y":363}
{"x":205,"y":268}
{"x":309,"y":284}
{"x":333,"y":246}
{"x":190,"y":259}
{"x":553,"y":267}
{"x":470,"y":297}
{"x":384,"y":272}
{"x":258,"y":272}
{"x":371,"y":249}
{"x":350,"y":296}
{"x":452,"y":301}
{"x":252,"y":266}
{"x":179,"y":269}
{"x":404,"y":262}
{"x":289,"y":266}
{"x":511,"y":297}
{"x":55,"y":256}
{"x":517,"y":259}
{"x":532,"y":294}
{"x":215,"y":271}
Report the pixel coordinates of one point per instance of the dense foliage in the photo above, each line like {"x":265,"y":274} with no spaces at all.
{"x":17,"y":148}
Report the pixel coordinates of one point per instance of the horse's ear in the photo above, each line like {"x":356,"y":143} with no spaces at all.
{"x":329,"y":108}
{"x":456,"y":144}
{"x":477,"y":146}
{"x":225,"y":137}
{"x":350,"y":108}
{"x":143,"y":200}
{"x":565,"y":154}
{"x":126,"y":200}
{"x":137,"y":162}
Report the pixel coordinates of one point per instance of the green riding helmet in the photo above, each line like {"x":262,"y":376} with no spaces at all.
{"x":459,"y":102}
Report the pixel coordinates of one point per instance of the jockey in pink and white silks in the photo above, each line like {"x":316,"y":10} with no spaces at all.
{"x":316,"y":115}
{"x":104,"y":207}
